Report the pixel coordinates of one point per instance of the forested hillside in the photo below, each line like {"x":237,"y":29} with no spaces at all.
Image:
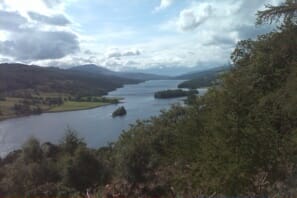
{"x":240,"y":139}
{"x":18,"y":77}
{"x":26,"y":89}
{"x":205,"y":78}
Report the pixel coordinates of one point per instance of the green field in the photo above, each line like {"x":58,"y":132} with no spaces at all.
{"x":72,"y":106}
{"x":7,"y":106}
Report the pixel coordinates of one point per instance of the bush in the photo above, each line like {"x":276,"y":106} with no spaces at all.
{"x":83,"y":170}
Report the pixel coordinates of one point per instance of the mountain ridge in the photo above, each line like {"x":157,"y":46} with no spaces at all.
{"x":205,"y":78}
{"x":15,"y":76}
{"x":95,"y":69}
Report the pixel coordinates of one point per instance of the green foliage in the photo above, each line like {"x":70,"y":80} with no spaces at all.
{"x":174,"y":93}
{"x":238,"y":139}
{"x":199,"y":82}
{"x":50,"y":170}
{"x":70,"y":142}
{"x":83,"y":170}
{"x":32,"y":151}
{"x":142,"y":149}
{"x":133,"y":156}
{"x":23,"y":175}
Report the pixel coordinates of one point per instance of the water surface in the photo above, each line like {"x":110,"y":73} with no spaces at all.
{"x":96,"y":126}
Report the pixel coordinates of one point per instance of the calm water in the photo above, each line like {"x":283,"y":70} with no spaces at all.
{"x":95,"y":125}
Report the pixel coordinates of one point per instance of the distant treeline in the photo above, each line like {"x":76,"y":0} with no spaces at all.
{"x":37,"y":105}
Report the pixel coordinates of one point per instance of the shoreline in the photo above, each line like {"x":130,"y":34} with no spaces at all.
{"x":78,"y":109}
{"x":57,"y":111}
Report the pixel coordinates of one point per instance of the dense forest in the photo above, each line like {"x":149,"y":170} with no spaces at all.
{"x":240,"y":139}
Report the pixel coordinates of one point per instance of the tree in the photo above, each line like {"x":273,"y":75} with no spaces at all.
{"x":83,"y":170}
{"x":288,"y":10}
{"x":32,"y":151}
{"x":70,"y":142}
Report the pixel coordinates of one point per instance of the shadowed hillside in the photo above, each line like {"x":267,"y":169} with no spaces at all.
{"x":205,"y":78}
{"x":16,"y":77}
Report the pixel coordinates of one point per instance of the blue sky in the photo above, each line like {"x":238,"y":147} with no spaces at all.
{"x":125,"y":34}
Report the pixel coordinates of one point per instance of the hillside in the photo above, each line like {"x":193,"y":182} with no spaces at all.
{"x":17,"y":77}
{"x":94,"y":69}
{"x":204,"y":78}
{"x":26,"y":89}
{"x":91,"y":68}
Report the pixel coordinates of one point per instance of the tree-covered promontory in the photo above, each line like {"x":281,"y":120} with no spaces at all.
{"x":174,"y":93}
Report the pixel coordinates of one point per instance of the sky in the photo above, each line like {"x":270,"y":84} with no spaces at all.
{"x":126,"y":34}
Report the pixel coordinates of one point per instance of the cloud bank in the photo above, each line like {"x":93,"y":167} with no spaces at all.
{"x":24,"y":41}
{"x":59,"y":20}
{"x":133,"y":34}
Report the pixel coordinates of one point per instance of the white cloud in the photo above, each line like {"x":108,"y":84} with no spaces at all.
{"x":205,"y":32}
{"x":24,"y":6}
{"x":164,"y":4}
{"x":190,"y":19}
{"x":200,"y":32}
{"x":24,"y":39}
{"x":3,"y":35}
{"x":116,"y":53}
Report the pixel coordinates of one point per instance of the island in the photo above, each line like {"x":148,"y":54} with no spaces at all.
{"x":174,"y":93}
{"x":121,"y":111}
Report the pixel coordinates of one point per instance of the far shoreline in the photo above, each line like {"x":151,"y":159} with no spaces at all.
{"x":58,"y":111}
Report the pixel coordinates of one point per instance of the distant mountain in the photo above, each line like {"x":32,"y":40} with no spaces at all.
{"x":166,"y":71}
{"x":172,"y":71}
{"x":202,"y":78}
{"x":16,"y":78}
{"x":94,"y":69}
{"x":197,"y":74}
{"x":143,"y":76}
